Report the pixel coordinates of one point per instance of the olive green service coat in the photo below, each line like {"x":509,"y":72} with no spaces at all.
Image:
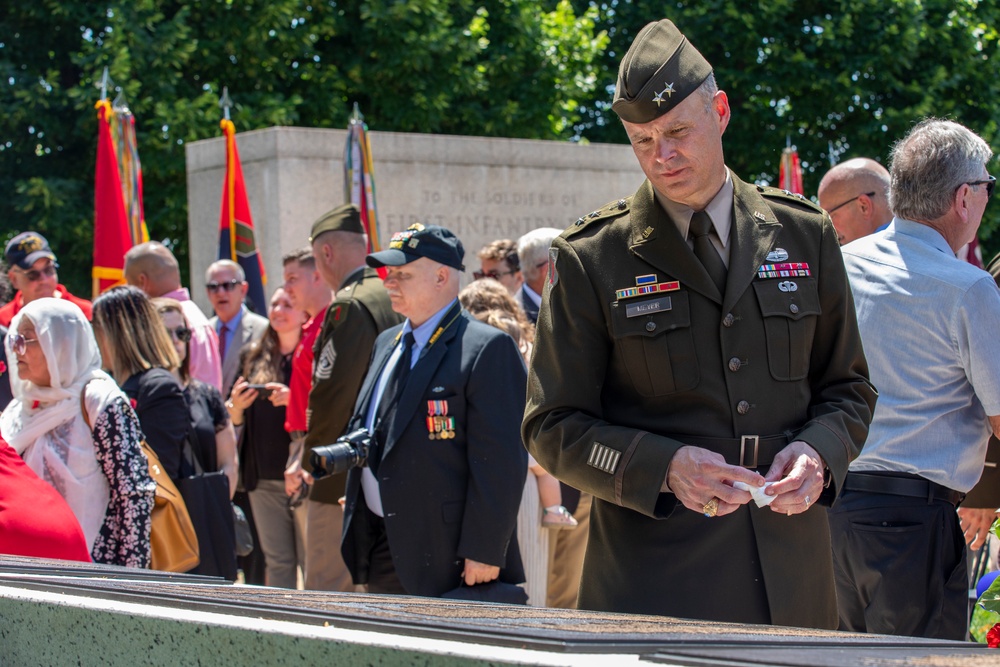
{"x":618,"y":385}
{"x":360,"y":311}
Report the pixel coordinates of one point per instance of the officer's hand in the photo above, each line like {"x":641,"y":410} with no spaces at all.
{"x":696,"y":475}
{"x":479,"y":573}
{"x":797,"y":473}
{"x":976,"y":524}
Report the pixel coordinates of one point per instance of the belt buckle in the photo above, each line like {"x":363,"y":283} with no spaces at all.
{"x":755,"y":441}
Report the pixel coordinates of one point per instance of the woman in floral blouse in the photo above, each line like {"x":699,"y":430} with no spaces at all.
{"x":74,"y":427}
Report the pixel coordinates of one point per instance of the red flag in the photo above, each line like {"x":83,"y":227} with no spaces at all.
{"x":111,"y":231}
{"x":236,"y":233}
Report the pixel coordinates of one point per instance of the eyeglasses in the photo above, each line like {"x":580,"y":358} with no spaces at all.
{"x":990,"y":183}
{"x":214,"y":287}
{"x":495,"y":275}
{"x":842,"y":205}
{"x":34,"y":275}
{"x":183,"y":334}
{"x":19,"y":344}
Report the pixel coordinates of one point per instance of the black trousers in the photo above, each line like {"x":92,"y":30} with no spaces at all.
{"x":900,"y":566}
{"x":372,"y":540}
{"x":252,"y":564}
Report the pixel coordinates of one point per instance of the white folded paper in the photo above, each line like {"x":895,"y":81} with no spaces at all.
{"x":757,"y":492}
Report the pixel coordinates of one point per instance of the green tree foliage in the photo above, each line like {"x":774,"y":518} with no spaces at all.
{"x":514,"y":68}
{"x":840,"y":78}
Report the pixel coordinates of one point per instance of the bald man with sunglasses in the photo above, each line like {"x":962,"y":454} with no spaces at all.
{"x":856,"y":195}
{"x":33,"y":272}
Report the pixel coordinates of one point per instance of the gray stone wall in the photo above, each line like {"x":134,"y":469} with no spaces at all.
{"x":480,"y":188}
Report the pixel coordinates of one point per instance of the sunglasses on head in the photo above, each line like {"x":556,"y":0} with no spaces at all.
{"x":34,"y":275}
{"x":19,"y":344}
{"x":229,"y":286}
{"x":183,"y":334}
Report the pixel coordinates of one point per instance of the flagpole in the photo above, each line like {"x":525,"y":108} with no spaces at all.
{"x":225,"y":102}
{"x":105,"y":79}
{"x":237,"y":238}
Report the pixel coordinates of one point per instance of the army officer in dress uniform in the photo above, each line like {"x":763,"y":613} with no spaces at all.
{"x":699,"y":334}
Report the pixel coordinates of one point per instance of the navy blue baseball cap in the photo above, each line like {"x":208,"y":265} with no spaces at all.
{"x":416,"y":241}
{"x":26,"y":249}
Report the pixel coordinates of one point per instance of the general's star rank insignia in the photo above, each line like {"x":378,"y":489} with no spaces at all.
{"x":668,"y":91}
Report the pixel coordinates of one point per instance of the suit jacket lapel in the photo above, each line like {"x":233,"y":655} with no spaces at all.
{"x":656,"y":240}
{"x":530,"y":309}
{"x":754,"y":229}
{"x":379,"y":359}
{"x":420,"y":377}
{"x":240,"y":338}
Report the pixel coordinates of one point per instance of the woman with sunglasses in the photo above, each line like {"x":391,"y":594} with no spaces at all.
{"x":137,"y":350}
{"x":73,"y":426}
{"x":214,"y":438}
{"x":213,"y":443}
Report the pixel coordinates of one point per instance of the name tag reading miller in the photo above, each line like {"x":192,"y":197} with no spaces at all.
{"x":647,"y":307}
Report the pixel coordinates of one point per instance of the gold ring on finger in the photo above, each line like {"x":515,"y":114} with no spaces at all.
{"x":711,"y":508}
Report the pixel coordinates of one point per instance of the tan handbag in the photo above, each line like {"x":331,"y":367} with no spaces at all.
{"x":172,"y":540}
{"x":173,"y":544}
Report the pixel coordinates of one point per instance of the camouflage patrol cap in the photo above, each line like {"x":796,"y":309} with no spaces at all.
{"x":659,"y":71}
{"x":346,"y":218}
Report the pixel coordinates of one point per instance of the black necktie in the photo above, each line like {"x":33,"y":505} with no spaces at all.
{"x":390,"y":397}
{"x":700,"y":230}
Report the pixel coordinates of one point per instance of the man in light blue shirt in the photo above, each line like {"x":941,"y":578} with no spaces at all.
{"x":235,"y":325}
{"x":928,"y":322}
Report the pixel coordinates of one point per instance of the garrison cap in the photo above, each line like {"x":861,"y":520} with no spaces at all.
{"x":416,"y":241}
{"x":659,"y":71}
{"x":346,"y":218}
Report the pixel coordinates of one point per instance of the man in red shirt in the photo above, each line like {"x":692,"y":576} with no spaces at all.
{"x":33,"y":272}
{"x":307,"y":291}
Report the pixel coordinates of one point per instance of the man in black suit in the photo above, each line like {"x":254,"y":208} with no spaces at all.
{"x":437,"y":503}
{"x":533,"y":252}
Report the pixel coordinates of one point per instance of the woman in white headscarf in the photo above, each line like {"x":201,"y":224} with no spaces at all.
{"x":74,"y":427}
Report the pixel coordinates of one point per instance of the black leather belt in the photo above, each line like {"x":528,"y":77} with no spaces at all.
{"x":900,"y":484}
{"x":749,"y":451}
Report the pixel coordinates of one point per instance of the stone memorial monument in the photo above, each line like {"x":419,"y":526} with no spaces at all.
{"x":480,"y":188}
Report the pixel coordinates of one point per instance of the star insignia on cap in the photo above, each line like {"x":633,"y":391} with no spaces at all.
{"x":668,"y":91}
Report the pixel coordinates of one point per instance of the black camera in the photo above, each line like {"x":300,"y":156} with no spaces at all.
{"x":350,"y":451}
